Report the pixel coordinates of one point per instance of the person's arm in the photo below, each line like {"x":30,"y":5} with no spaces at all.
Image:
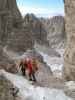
{"x":20,"y":64}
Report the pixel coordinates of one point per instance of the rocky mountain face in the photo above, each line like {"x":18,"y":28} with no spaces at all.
{"x":18,"y":34}
{"x":37,"y":27}
{"x":9,"y":18}
{"x":12,"y":33}
{"x":49,"y":32}
{"x":69,"y":56}
{"x":55,"y":31}
{"x":19,"y":40}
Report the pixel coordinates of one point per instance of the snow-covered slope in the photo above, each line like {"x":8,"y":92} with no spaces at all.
{"x":55,"y":63}
{"x":52,"y":57}
{"x":30,"y":92}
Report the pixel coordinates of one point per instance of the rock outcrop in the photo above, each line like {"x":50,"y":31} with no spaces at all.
{"x":10,"y":18}
{"x":12,"y":33}
{"x":49,"y":32}
{"x":69,"y":56}
{"x":55,"y":31}
{"x":7,"y":63}
{"x":37,"y":27}
{"x":19,"y":40}
{"x":7,"y":90}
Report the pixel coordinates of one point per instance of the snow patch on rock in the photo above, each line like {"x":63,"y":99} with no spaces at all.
{"x":70,"y":85}
{"x":30,"y":92}
{"x":55,"y":63}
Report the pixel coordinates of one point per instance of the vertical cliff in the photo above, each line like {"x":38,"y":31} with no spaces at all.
{"x":10,"y":17}
{"x":69,"y":56}
{"x":12,"y":33}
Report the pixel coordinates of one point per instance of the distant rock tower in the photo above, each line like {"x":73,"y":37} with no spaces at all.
{"x":69,"y":56}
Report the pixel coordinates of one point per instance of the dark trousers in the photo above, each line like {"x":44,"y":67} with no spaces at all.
{"x":32,"y":76}
{"x":23,"y":71}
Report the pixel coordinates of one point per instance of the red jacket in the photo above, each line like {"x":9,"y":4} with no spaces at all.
{"x":29,"y":65}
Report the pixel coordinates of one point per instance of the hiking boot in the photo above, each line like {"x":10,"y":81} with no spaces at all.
{"x":34,"y":80}
{"x":30,"y":79}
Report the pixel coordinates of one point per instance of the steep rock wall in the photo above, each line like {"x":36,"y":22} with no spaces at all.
{"x":69,"y":56}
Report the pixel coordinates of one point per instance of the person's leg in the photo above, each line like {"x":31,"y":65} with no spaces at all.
{"x":33,"y":77}
{"x":30,"y":77}
{"x":23,"y":72}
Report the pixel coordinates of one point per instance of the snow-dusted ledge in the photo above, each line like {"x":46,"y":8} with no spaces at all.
{"x":30,"y":92}
{"x":55,"y":64}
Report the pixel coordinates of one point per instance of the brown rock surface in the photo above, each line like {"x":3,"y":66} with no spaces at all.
{"x":10,"y":17}
{"x":20,"y":40}
{"x":55,"y":31}
{"x":69,"y":58}
{"x":12,"y":33}
{"x":37,"y":27}
{"x":46,"y":31}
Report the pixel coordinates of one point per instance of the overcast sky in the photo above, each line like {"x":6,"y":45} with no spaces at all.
{"x":41,"y":8}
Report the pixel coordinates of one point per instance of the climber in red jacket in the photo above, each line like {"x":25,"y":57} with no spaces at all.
{"x":30,"y":70}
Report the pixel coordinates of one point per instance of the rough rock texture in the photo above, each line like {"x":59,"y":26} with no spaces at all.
{"x":37,"y":27}
{"x":49,"y":32}
{"x":55,"y":31}
{"x":69,"y":58}
{"x":12,"y":33}
{"x":6,"y":90}
{"x":10,"y":18}
{"x":6,"y":63}
{"x":20,"y":40}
